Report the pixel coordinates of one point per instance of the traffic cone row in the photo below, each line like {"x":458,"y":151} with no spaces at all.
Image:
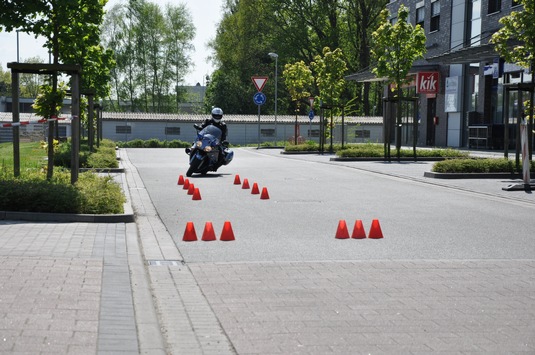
{"x":264,"y":195}
{"x":358,"y":230}
{"x":208,"y":234}
{"x":190,"y":187}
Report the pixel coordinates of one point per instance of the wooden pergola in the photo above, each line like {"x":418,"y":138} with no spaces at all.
{"x":74,"y":71}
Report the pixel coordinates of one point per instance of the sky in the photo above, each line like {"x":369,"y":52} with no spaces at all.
{"x":205,"y":15}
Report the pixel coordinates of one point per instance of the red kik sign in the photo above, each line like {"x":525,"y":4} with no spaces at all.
{"x":427,"y":82}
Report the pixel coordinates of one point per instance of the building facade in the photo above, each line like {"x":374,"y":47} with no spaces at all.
{"x":243,"y":129}
{"x":467,"y":106}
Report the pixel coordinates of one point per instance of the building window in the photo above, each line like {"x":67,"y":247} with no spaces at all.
{"x":172,"y":131}
{"x":362,"y":133}
{"x":62,"y":130}
{"x":267,"y":132}
{"x":474,"y":26}
{"x":313,"y":132}
{"x":495,"y":6}
{"x":420,"y":16}
{"x":123,"y":129}
{"x":435,"y":16}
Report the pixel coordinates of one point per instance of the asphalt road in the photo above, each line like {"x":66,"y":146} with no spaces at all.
{"x":420,"y":218}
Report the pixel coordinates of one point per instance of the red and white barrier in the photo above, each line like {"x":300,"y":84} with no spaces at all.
{"x":23,"y":123}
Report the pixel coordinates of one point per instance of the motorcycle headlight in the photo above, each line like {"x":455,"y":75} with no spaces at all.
{"x":198,"y":144}
{"x":208,"y":149}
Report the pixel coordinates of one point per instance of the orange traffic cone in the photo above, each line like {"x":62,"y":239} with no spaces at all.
{"x":358,"y":230}
{"x":227,"y":234}
{"x":196,"y":195}
{"x":342,"y":232}
{"x":264,"y":195}
{"x":245,"y":184}
{"x":208,"y":234}
{"x":237,"y":180}
{"x":186,"y":184}
{"x":189,"y":233}
{"x":181,"y":180}
{"x":191,"y":189}
{"x":255,"y":190}
{"x":375,"y":230}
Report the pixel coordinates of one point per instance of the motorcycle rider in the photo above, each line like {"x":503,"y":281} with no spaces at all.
{"x":217,"y":121}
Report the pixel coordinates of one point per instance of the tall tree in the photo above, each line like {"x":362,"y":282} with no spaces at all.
{"x":296,"y":30}
{"x":30,"y":83}
{"x":395,"y":48}
{"x":298,"y":78}
{"x":151,"y":48}
{"x":329,"y":70}
{"x":71,"y":30}
{"x":515,"y":40}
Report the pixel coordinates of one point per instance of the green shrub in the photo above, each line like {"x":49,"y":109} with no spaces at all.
{"x":99,"y":194}
{"x":361,"y":151}
{"x":308,"y":146}
{"x":372,"y":150}
{"x":136,"y":143}
{"x":488,"y":165}
{"x":105,"y":157}
{"x":152,"y":143}
{"x":178,"y":144}
{"x":31,"y":192}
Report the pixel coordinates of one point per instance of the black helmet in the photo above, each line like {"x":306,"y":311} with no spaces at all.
{"x":217,"y":114}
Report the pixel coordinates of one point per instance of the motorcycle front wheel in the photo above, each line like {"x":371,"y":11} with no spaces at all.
{"x":193,"y":166}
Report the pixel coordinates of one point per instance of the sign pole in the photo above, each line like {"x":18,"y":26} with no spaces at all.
{"x":258,"y":127}
{"x":259,"y":98}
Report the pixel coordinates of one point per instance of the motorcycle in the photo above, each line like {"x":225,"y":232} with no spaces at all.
{"x":206,"y":150}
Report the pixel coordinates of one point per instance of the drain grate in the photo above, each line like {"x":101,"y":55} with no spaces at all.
{"x":165,"y":262}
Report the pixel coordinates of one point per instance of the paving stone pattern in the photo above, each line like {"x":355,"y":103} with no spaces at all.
{"x":382,"y":307}
{"x":65,"y":289}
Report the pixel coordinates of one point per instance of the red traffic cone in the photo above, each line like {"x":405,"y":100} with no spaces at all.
{"x":227,"y":234}
{"x":375,"y":230}
{"x":255,"y":190}
{"x":208,"y":234}
{"x":191,"y":189}
{"x":189,"y":234}
{"x":196,"y":195}
{"x":237,"y":180}
{"x":342,"y":232}
{"x":265,"y":194}
{"x":358,"y":230}
{"x":181,"y":180}
{"x":186,"y":184}
{"x":245,"y":184}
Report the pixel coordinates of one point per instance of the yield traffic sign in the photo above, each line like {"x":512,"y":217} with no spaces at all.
{"x":259,"y":82}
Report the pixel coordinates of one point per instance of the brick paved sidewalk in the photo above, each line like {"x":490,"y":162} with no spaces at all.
{"x":65,"y":289}
{"x":374,"y":307}
{"x":77,"y":288}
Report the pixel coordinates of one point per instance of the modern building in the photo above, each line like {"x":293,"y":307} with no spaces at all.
{"x":461,"y":84}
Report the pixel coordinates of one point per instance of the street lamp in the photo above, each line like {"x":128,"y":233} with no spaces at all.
{"x":276,"y":56}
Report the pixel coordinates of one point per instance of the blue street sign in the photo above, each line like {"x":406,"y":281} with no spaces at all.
{"x":311,"y":114}
{"x":259,"y":98}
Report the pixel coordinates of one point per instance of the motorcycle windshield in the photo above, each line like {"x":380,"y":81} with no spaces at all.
{"x":212,"y":130}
